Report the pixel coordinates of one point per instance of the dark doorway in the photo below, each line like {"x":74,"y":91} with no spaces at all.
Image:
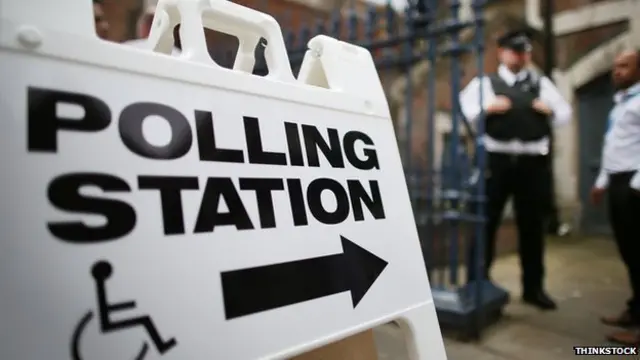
{"x":595,"y":100}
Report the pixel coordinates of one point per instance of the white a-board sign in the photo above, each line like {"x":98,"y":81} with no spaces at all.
{"x":158,"y":207}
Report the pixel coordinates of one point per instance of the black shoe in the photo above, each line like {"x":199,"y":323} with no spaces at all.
{"x":552,"y":229}
{"x":623,"y":320}
{"x":540,"y":300}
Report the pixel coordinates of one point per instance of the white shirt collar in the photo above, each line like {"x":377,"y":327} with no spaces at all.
{"x":509,"y":77}
{"x":633,"y":90}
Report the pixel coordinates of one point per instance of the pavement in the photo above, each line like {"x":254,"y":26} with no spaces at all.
{"x":585,"y":276}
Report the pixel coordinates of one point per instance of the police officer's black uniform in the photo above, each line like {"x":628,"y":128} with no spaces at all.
{"x":524,"y":176}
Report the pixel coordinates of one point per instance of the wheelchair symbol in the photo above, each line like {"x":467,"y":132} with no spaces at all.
{"x":101,"y":271}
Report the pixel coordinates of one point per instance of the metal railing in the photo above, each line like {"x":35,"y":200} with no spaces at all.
{"x":446,"y":182}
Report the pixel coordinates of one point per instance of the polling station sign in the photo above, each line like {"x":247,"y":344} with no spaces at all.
{"x":198,"y":214}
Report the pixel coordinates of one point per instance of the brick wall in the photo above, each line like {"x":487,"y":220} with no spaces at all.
{"x":291,"y":15}
{"x":122,"y":16}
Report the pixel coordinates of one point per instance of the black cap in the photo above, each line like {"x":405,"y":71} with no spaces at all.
{"x":517,"y":40}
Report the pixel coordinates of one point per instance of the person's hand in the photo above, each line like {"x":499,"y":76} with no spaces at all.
{"x":596,"y":195}
{"x":499,"y":105}
{"x":539,"y":106}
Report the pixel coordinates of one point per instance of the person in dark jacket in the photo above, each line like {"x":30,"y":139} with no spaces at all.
{"x":519,"y":108}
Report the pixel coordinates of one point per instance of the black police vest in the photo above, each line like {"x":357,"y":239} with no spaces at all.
{"x":521,"y":122}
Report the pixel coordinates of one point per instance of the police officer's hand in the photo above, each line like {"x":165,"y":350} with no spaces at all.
{"x":596,"y":195}
{"x":539,"y":106}
{"x":499,"y":105}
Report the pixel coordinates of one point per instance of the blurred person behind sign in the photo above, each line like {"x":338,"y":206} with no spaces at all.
{"x":100,"y":20}
{"x":143,"y":28}
{"x":520,"y":107}
{"x":619,"y":178}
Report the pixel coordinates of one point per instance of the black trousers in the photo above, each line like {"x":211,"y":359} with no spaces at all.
{"x":525,"y":177}
{"x":624,"y":215}
{"x":553,"y":220}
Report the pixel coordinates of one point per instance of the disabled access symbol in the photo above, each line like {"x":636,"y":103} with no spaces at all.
{"x":101,"y":271}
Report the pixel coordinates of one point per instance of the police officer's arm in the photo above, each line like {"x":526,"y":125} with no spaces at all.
{"x":560,"y":108}
{"x":470,"y":98}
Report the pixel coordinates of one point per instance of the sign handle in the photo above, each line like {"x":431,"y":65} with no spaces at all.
{"x":422,"y":336}
{"x":246,"y":24}
{"x":345,"y":68}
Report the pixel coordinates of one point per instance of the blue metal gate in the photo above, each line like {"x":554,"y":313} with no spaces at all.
{"x":446,"y":184}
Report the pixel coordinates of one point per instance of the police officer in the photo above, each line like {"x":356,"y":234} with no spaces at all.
{"x":520,"y":107}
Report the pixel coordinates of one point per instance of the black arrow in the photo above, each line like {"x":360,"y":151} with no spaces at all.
{"x":253,"y":290}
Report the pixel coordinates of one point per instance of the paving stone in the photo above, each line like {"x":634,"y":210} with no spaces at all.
{"x":586,"y":277}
